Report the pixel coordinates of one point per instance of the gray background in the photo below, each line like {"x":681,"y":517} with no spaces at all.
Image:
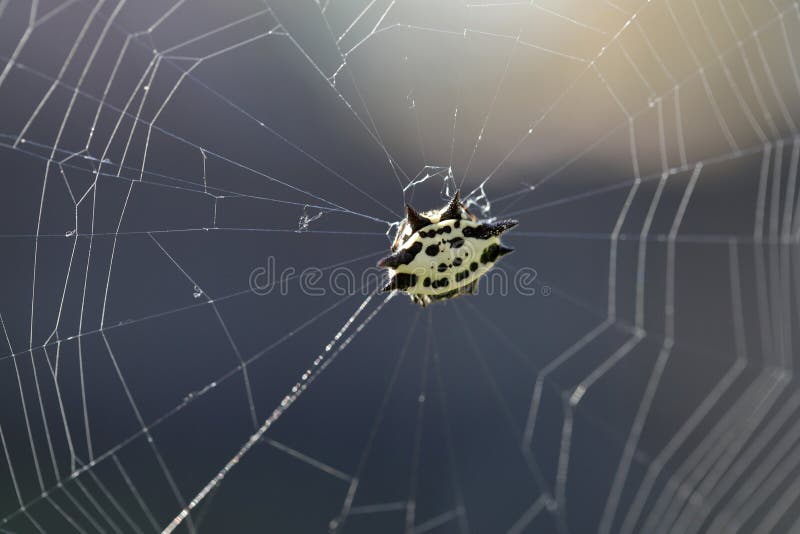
{"x":616,"y":95}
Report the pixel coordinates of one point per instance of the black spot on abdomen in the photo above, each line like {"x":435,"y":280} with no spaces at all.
{"x":487,"y":230}
{"x":490,"y":254}
{"x":444,"y":282}
{"x":411,"y":252}
{"x":432,"y":250}
{"x":470,"y":231}
{"x":405,"y":280}
{"x":402,"y":257}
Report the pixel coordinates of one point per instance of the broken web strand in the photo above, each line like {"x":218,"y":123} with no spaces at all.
{"x":322,"y":361}
{"x":432,"y":172}
{"x":448,"y":186}
{"x":478,"y":204}
{"x":306,"y":219}
{"x":429,"y":172}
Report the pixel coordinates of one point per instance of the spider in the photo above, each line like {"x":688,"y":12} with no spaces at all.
{"x":441,"y":254}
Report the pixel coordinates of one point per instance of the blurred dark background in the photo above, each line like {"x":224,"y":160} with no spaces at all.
{"x":154,"y":154}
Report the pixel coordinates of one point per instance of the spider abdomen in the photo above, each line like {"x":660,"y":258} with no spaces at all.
{"x":444,"y":257}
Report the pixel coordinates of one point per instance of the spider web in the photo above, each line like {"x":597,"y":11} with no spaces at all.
{"x":156,"y":154}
